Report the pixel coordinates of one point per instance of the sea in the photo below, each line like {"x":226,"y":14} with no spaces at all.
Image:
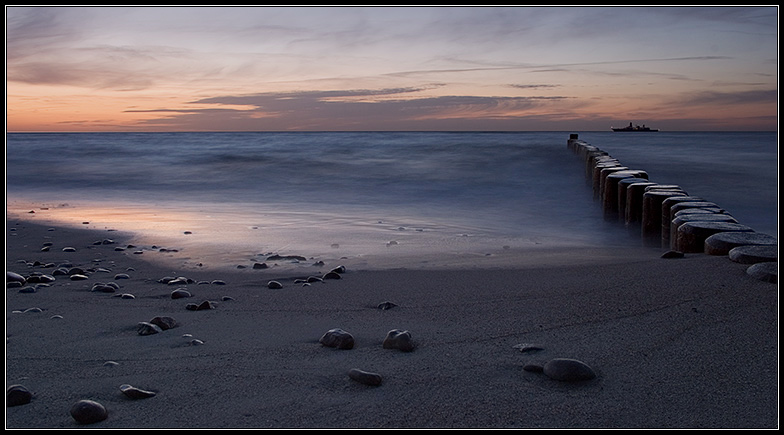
{"x":380,"y":199}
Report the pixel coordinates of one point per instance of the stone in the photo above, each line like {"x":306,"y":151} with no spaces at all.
{"x":331,"y":275}
{"x":750,"y":254}
{"x":260,"y":266}
{"x":568,"y":370}
{"x":16,"y":395}
{"x":275,"y":285}
{"x":136,"y":393}
{"x":528,"y":347}
{"x":337,"y":338}
{"x":398,"y":339}
{"x":767,"y":271}
{"x":147,"y":328}
{"x":364,"y":377}
{"x":277,"y":257}
{"x":672,"y":254}
{"x":88,"y":412}
{"x":103,"y":288}
{"x":180,"y":293}
{"x":386,"y":305}
{"x":76,"y":271}
{"x":722,"y":243}
{"x":14,"y":277}
{"x":41,"y":279}
{"x":205,"y":305}
{"x":164,"y":322}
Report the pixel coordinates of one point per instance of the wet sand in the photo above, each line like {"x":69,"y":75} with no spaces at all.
{"x":674,"y":343}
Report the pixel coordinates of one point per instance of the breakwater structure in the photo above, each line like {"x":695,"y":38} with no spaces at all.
{"x":666,"y":216}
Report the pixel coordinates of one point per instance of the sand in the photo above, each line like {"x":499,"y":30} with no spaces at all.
{"x":675,"y":343}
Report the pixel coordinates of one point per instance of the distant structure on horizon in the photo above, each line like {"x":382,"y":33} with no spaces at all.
{"x":631,"y":127}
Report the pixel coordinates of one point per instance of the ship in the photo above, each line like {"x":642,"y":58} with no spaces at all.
{"x":631,"y":127}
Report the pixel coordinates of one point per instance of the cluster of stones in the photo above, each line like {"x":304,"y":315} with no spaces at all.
{"x":666,"y":215}
{"x":332,"y":274}
{"x":395,"y":339}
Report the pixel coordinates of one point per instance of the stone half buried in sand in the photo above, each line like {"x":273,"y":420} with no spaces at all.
{"x":147,"y":328}
{"x":14,"y":277}
{"x":136,"y":393}
{"x":364,"y":377}
{"x":337,"y":338}
{"x":569,"y":370}
{"x":88,"y":412}
{"x":164,"y":322}
{"x":398,"y":339}
{"x":16,"y":395}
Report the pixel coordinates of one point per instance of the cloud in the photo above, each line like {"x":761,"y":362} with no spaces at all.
{"x":730,"y":98}
{"x":350,"y":109}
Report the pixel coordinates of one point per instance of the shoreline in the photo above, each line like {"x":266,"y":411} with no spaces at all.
{"x":197,"y":240}
{"x":675,"y":343}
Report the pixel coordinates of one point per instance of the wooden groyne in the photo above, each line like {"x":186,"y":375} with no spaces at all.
{"x":666,"y":216}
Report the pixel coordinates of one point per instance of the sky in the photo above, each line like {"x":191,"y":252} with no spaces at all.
{"x":391,"y":68}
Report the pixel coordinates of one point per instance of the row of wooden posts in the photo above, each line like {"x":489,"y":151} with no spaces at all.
{"x":664,"y":214}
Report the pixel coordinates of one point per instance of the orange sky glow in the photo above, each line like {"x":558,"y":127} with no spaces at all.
{"x":398,"y":68}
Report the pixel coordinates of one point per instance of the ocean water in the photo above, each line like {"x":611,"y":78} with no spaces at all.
{"x":229,"y":198}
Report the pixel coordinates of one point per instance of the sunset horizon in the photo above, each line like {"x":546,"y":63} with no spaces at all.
{"x":190,"y":69}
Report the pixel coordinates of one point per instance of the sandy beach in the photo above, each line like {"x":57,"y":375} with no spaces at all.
{"x":674,"y":343}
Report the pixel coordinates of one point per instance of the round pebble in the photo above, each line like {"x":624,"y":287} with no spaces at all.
{"x":274,"y":285}
{"x":147,"y":328}
{"x":164,"y":322}
{"x":363,"y":377}
{"x":17,"y":395}
{"x":14,"y":277}
{"x":103,"y":288}
{"x":88,"y":412}
{"x":569,"y":370}
{"x":398,"y":339}
{"x":180,"y":293}
{"x":337,"y":338}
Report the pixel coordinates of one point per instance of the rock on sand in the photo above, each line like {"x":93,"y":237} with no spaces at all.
{"x":88,"y":412}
